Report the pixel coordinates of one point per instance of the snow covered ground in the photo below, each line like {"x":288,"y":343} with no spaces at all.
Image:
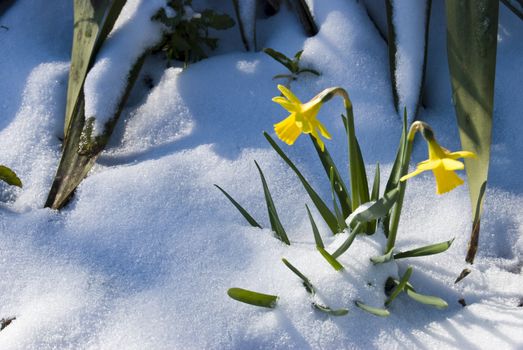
{"x":143,"y":256}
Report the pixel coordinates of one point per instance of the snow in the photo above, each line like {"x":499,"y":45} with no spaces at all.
{"x":409,"y":18}
{"x":144,"y":254}
{"x":247,"y":13}
{"x":132,"y":34}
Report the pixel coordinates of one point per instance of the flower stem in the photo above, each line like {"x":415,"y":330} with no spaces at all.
{"x":396,"y":212}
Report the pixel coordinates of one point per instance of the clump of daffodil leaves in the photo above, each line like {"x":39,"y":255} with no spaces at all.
{"x":361,"y":209}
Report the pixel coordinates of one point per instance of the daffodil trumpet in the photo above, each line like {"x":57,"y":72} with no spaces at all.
{"x":442,"y":162}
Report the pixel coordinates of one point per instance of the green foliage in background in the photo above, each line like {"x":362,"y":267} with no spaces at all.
{"x":187,"y":35}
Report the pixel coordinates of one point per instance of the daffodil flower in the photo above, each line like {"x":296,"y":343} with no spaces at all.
{"x":302,"y":118}
{"x":443,"y":164}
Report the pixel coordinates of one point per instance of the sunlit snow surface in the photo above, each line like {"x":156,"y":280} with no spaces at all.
{"x":144,"y":254}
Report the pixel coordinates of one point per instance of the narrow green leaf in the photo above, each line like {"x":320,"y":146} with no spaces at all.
{"x":374,"y":196}
{"x":253,"y":298}
{"x":421,"y":298}
{"x":358,"y":177}
{"x":421,"y":26}
{"x":378,"y":209}
{"x":373,"y":310}
{"x":324,"y":211}
{"x":330,"y":259}
{"x":9,"y":176}
{"x":426,"y":250}
{"x":329,"y":311}
{"x":81,"y":150}
{"x":399,"y":288}
{"x":426,"y":299}
{"x":309,"y":70}
{"x":382,"y":258}
{"x":281,"y":58}
{"x":315,"y":231}
{"x":276,"y":225}
{"x":516,"y":6}
{"x":242,"y":211}
{"x":93,"y":20}
{"x":472,"y":28}
{"x":395,"y":173}
{"x":348,"y":242}
{"x":340,"y":188}
{"x":284,"y":76}
{"x":376,"y":184}
{"x":339,"y":215}
{"x":304,"y":13}
{"x":248,"y":39}
{"x":306,"y":283}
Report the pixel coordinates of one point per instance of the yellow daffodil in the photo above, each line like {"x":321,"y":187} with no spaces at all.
{"x":443,"y":164}
{"x":302,"y":118}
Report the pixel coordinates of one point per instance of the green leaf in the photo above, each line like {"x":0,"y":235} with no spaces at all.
{"x":281,"y":58}
{"x":339,"y":216}
{"x":379,"y":208}
{"x":472,"y":28}
{"x":358,"y":177}
{"x":9,"y":176}
{"x":308,"y":70}
{"x":374,"y":196}
{"x":315,"y":231}
{"x":324,"y":211}
{"x":249,"y":46}
{"x":220,"y":21}
{"x":311,"y":290}
{"x":81,"y":150}
{"x":373,"y":310}
{"x":393,"y":44}
{"x":253,"y":298}
{"x":399,"y":288}
{"x":307,"y":20}
{"x":329,"y":311}
{"x":276,"y":225}
{"x":423,"y":299}
{"x":242,"y":211}
{"x":306,"y":283}
{"x":426,"y":250}
{"x":93,"y":20}
{"x":348,"y":242}
{"x":426,"y":299}
{"x":395,"y":173}
{"x":382,"y":258}
{"x":340,"y":188}
{"x":330,"y":259}
{"x":284,"y":76}
{"x":516,"y":6}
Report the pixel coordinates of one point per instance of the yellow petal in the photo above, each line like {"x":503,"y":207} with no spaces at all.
{"x":417,"y":171}
{"x":324,"y":131}
{"x":451,"y":164}
{"x":446,"y":180}
{"x":287,"y":130}
{"x":288,"y":93}
{"x":462,"y":154}
{"x":289,"y":106}
{"x":314,"y":133}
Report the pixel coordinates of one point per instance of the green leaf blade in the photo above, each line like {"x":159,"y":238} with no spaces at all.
{"x":427,"y":299}
{"x":9,"y":176}
{"x":253,"y":298}
{"x":373,"y":310}
{"x":242,"y":211}
{"x":426,"y":250}
{"x":323,"y":209}
{"x":276,"y":224}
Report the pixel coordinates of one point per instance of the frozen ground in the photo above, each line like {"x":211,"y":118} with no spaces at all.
{"x":144,"y":254}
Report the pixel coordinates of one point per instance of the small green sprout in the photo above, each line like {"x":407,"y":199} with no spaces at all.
{"x":8,"y":176}
{"x":293,"y":65}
